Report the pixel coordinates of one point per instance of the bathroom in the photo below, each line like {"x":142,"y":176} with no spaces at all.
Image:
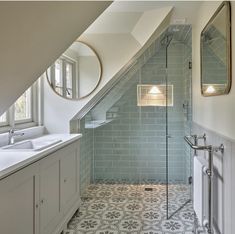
{"x":145,"y":145}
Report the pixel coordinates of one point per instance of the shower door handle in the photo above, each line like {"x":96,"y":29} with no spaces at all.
{"x":169,"y":136}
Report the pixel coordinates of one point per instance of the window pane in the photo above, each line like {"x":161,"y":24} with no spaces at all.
{"x":58,"y":76}
{"x":3,"y":118}
{"x":69,"y":77}
{"x":23,"y":106}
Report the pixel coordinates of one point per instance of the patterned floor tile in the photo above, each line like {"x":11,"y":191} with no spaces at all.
{"x":88,"y":224}
{"x":151,"y":216}
{"x":172,"y":226}
{"x":98,"y":206}
{"x":118,"y":200}
{"x":109,"y":208}
{"x":130,"y":225}
{"x":112,"y":215}
{"x":133,"y":207}
{"x":151,"y":231}
{"x":106,"y":231}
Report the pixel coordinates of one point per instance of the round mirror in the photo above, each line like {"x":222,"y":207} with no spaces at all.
{"x":76,"y":73}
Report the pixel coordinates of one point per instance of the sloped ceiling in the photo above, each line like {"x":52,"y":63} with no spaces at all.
{"x":114,"y":23}
{"x":116,"y":44}
{"x":117,"y":36}
{"x":33,"y":35}
{"x":187,"y":10}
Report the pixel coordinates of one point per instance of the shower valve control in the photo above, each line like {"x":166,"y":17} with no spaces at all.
{"x":190,"y":180}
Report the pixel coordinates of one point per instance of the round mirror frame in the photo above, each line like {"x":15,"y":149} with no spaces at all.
{"x":95,"y":87}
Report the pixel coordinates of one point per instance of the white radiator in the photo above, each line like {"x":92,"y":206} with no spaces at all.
{"x":199,"y":187}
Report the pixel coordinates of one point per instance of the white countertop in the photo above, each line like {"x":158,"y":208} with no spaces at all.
{"x":13,"y":160}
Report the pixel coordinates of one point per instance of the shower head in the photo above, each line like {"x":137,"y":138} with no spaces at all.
{"x":175,"y":29}
{"x":167,"y":39}
{"x":207,"y":37}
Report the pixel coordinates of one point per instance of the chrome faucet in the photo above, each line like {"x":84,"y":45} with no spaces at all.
{"x":12,"y":133}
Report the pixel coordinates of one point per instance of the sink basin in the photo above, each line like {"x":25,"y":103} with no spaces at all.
{"x":32,"y":145}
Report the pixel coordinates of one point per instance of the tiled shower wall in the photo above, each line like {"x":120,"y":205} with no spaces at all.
{"x":87,"y":141}
{"x":125,"y":148}
{"x":176,"y":159}
{"x":133,"y":147}
{"x":86,"y":156}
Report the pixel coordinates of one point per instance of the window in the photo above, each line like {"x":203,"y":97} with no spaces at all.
{"x":69,"y":79}
{"x":3,"y":119}
{"x":63,"y":67}
{"x":25,"y":111}
{"x":23,"y":107}
{"x":57,"y":75}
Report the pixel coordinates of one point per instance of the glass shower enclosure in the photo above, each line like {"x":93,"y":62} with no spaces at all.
{"x":134,"y":134}
{"x":178,"y":118}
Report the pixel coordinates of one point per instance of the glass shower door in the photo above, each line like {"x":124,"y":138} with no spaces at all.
{"x":178,"y":125}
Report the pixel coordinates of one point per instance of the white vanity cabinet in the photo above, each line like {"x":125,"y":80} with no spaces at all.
{"x":42,"y":197}
{"x":49,"y":193}
{"x":69,"y":174}
{"x":18,"y":202}
{"x":59,"y":188}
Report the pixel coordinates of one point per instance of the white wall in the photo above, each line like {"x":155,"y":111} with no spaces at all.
{"x":148,"y":22}
{"x":89,"y":74}
{"x":114,"y":50}
{"x":218,"y":115}
{"x":215,"y":113}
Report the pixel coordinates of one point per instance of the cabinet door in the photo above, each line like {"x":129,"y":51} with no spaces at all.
{"x":18,"y":207}
{"x":49,"y":193}
{"x":69,"y":176}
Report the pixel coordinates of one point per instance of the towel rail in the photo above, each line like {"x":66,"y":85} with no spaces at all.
{"x":209,"y":171}
{"x":194,"y":145}
{"x":195,"y":138}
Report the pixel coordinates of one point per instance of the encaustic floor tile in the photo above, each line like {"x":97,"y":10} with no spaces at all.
{"x":129,"y":209}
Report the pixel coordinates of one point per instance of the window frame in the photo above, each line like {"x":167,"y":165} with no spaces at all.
{"x":64,"y":59}
{"x":32,"y":103}
{"x":5,"y":123}
{"x":36,"y":111}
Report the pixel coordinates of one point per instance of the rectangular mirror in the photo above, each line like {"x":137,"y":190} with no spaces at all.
{"x":216,"y":53}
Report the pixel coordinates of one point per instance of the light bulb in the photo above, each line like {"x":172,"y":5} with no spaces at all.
{"x":154,"y":90}
{"x":210,"y":89}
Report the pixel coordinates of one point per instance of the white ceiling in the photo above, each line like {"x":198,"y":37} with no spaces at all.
{"x":123,"y":16}
{"x":182,"y":9}
{"x":139,"y":24}
{"x":140,"y":19}
{"x":115,"y":22}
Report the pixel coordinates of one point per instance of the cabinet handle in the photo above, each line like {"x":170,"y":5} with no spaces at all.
{"x":65,"y":180}
{"x":42,"y":201}
{"x":37,"y":206}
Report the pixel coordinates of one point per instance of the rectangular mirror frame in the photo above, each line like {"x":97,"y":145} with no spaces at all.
{"x":228,"y":45}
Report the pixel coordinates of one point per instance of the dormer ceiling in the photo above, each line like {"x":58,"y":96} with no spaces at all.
{"x":115,"y":22}
{"x":140,"y":18}
{"x":182,"y":9}
{"x":139,"y":25}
